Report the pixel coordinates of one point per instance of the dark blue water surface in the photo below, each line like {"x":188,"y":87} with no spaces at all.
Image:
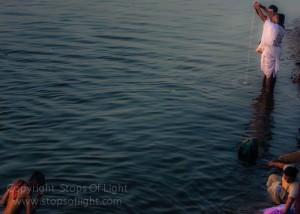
{"x":140,"y":106}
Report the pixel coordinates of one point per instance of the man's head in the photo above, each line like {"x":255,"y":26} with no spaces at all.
{"x":273,"y":10}
{"x":290,"y":173}
{"x":279,"y":18}
{"x":37,"y":179}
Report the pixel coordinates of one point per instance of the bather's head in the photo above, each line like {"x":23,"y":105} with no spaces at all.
{"x":290,"y":173}
{"x":37,"y":179}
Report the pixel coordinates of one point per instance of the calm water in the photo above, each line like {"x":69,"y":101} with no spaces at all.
{"x":140,"y":105}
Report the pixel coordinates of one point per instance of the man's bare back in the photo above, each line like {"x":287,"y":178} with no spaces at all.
{"x":19,"y":195}
{"x":16,"y":197}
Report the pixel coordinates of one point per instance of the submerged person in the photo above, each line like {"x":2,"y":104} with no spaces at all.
{"x":273,"y":34}
{"x":283,"y":190}
{"x":19,"y":195}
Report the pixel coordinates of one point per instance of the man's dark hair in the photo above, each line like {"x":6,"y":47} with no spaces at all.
{"x":281,"y":19}
{"x":291,"y":171}
{"x":274,"y":8}
{"x":37,"y":178}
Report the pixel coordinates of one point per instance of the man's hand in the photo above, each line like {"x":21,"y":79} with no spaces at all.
{"x":270,"y":164}
{"x":257,"y":5}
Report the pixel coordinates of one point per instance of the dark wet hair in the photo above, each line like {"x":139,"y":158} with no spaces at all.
{"x":291,"y":171}
{"x":281,"y":19}
{"x":37,"y":178}
{"x":274,"y":8}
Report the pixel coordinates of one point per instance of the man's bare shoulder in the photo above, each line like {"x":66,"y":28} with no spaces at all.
{"x":19,"y":190}
{"x":17,"y":194}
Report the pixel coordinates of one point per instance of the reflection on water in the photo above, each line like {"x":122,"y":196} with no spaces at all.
{"x":133,"y":93}
{"x":263,"y":121}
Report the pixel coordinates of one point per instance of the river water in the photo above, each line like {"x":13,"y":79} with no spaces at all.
{"x":140,"y":106}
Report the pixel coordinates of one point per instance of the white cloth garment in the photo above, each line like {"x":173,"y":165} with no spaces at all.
{"x":270,"y":31}
{"x":270,"y":58}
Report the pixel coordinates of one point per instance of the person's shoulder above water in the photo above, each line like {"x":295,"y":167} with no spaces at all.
{"x":19,"y":195}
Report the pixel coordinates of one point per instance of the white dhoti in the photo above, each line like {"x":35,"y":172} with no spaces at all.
{"x":275,"y":190}
{"x":270,"y":60}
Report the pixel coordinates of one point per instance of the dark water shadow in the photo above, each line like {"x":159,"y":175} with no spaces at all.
{"x":262,"y":123}
{"x":260,"y":126}
{"x":255,"y":146}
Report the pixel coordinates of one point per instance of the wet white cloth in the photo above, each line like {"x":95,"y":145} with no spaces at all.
{"x":271,"y":44}
{"x":275,"y":190}
{"x":270,"y":60}
{"x":270,"y":31}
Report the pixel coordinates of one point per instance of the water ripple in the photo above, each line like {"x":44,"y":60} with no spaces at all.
{"x":144,"y":94}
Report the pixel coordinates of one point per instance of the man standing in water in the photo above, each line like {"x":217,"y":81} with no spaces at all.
{"x":270,"y":11}
{"x":273,"y":33}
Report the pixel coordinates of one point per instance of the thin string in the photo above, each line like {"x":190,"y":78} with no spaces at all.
{"x":249,"y":50}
